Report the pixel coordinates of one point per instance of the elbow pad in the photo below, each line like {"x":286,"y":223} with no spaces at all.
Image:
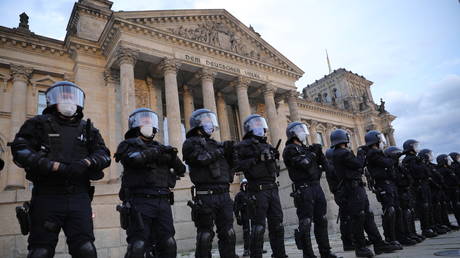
{"x":100,"y":161}
{"x":137,"y":158}
{"x":24,"y":158}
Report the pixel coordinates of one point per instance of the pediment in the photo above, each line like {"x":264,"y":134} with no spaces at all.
{"x":216,"y":28}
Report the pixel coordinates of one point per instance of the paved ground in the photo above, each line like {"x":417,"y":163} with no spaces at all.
{"x":449,"y":241}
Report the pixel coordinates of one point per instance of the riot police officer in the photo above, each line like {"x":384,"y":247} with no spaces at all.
{"x":61,"y":153}
{"x":455,"y":156}
{"x":452,"y":185}
{"x":210,"y":164}
{"x":420,"y":173}
{"x":405,"y":225}
{"x":240,"y":208}
{"x":439,"y":198}
{"x":258,"y":161}
{"x":150,"y":170}
{"x":349,"y":169}
{"x":305,"y":165}
{"x":381,"y":170}
{"x":346,"y":232}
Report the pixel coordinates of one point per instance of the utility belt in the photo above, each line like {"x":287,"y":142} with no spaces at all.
{"x":262,"y":187}
{"x":61,"y":190}
{"x":355,"y":182}
{"x":303,"y":186}
{"x":203,"y":191}
{"x":169,"y":196}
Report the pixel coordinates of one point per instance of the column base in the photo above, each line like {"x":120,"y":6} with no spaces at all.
{"x":14,"y":187}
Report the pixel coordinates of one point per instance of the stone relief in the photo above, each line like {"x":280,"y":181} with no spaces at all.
{"x":216,"y":34}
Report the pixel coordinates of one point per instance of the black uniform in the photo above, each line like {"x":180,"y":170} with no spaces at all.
{"x":305,"y":166}
{"x":381,"y":169}
{"x":405,"y":233}
{"x":349,"y":169}
{"x":439,"y":201}
{"x":240,"y":209}
{"x":210,"y":171}
{"x":60,"y":199}
{"x":257,"y":159}
{"x":150,"y":171}
{"x":423,"y":199}
{"x":452,"y":190}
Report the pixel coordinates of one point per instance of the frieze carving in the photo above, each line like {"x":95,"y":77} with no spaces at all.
{"x":216,"y":34}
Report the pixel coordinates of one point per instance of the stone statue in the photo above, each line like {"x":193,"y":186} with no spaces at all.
{"x":382,"y":106}
{"x":24,"y":21}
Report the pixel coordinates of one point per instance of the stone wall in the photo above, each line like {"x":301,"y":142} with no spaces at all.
{"x":111,"y":239}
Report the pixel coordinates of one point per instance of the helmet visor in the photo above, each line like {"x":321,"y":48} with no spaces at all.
{"x":208,"y":119}
{"x":382,"y":139}
{"x":143,"y":118}
{"x":65,"y":94}
{"x":430,"y":156}
{"x":301,"y":131}
{"x":255,"y":123}
{"x":416,"y":147}
{"x":449,"y":161}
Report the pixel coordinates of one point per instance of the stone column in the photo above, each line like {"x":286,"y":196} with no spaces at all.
{"x":127,"y":59}
{"x":312,"y":130}
{"x":243,"y":99}
{"x":270,"y":109}
{"x":207,"y":87}
{"x":328,"y":133}
{"x":223,"y":117}
{"x":112,"y":81}
{"x":189,"y":105}
{"x":20,"y":75}
{"x":391,"y":137}
{"x":293,"y":108}
{"x":170,"y":67}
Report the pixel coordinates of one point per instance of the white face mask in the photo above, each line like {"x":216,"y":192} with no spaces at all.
{"x":381,"y":145}
{"x":147,"y":131}
{"x":67,"y":109}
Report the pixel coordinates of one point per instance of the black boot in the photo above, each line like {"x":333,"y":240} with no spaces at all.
{"x":429,"y":233}
{"x":384,"y":247}
{"x":363,"y":252}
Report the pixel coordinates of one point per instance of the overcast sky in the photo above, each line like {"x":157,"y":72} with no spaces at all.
{"x":410,"y":49}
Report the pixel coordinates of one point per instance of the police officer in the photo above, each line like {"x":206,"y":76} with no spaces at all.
{"x":349,"y":169}
{"x":61,"y":153}
{"x":210,"y":164}
{"x":240,"y":209}
{"x":455,"y":156}
{"x":420,"y":173}
{"x":150,"y":170}
{"x":335,"y":185}
{"x":404,"y":215}
{"x":439,"y":198}
{"x":258,"y":161}
{"x":305,"y":165}
{"x":381,"y":170}
{"x":452,"y":185}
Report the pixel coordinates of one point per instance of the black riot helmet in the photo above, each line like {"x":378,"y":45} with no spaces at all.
{"x":392,"y":152}
{"x":455,"y":156}
{"x":426,"y":154}
{"x":297,"y":130}
{"x":339,"y":136}
{"x":142,"y":121}
{"x":411,"y":145}
{"x":444,"y":160}
{"x":375,"y":137}
{"x":256,"y":125}
{"x":204,"y":120}
{"x":66,"y":98}
{"x":330,"y":154}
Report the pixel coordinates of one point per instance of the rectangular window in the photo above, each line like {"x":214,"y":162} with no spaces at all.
{"x":319,"y":138}
{"x":41,"y":103}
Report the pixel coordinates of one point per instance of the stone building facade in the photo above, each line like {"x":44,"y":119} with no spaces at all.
{"x":172,"y":61}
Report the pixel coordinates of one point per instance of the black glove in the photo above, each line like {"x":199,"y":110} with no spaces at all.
{"x":45,"y":165}
{"x":275,"y":153}
{"x":76,"y":168}
{"x":239,"y":220}
{"x":169,"y":149}
{"x":316,"y":148}
{"x":219,"y":152}
{"x":228,"y":146}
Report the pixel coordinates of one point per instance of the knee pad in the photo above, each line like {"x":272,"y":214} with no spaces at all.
{"x":258,"y":232}
{"x":321,"y":221}
{"x":229,"y":235}
{"x":136,"y":249}
{"x":204,"y":238}
{"x":40,"y":253}
{"x":305,"y":225}
{"x":390,"y":212}
{"x":168,"y":248}
{"x":86,"y":250}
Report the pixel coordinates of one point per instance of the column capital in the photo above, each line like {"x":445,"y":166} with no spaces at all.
{"x":111,"y":77}
{"x":207,"y":74}
{"x":126,"y":55}
{"x":292,"y":94}
{"x":169,"y":65}
{"x":313,"y":124}
{"x":329,"y":126}
{"x":241,"y":82}
{"x":20,"y":73}
{"x":269,"y":88}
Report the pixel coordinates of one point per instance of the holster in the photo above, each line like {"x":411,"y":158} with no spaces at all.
{"x":171,"y":198}
{"x":23,"y":216}
{"x":91,"y":191}
{"x":124,"y":209}
{"x":252,"y":206}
